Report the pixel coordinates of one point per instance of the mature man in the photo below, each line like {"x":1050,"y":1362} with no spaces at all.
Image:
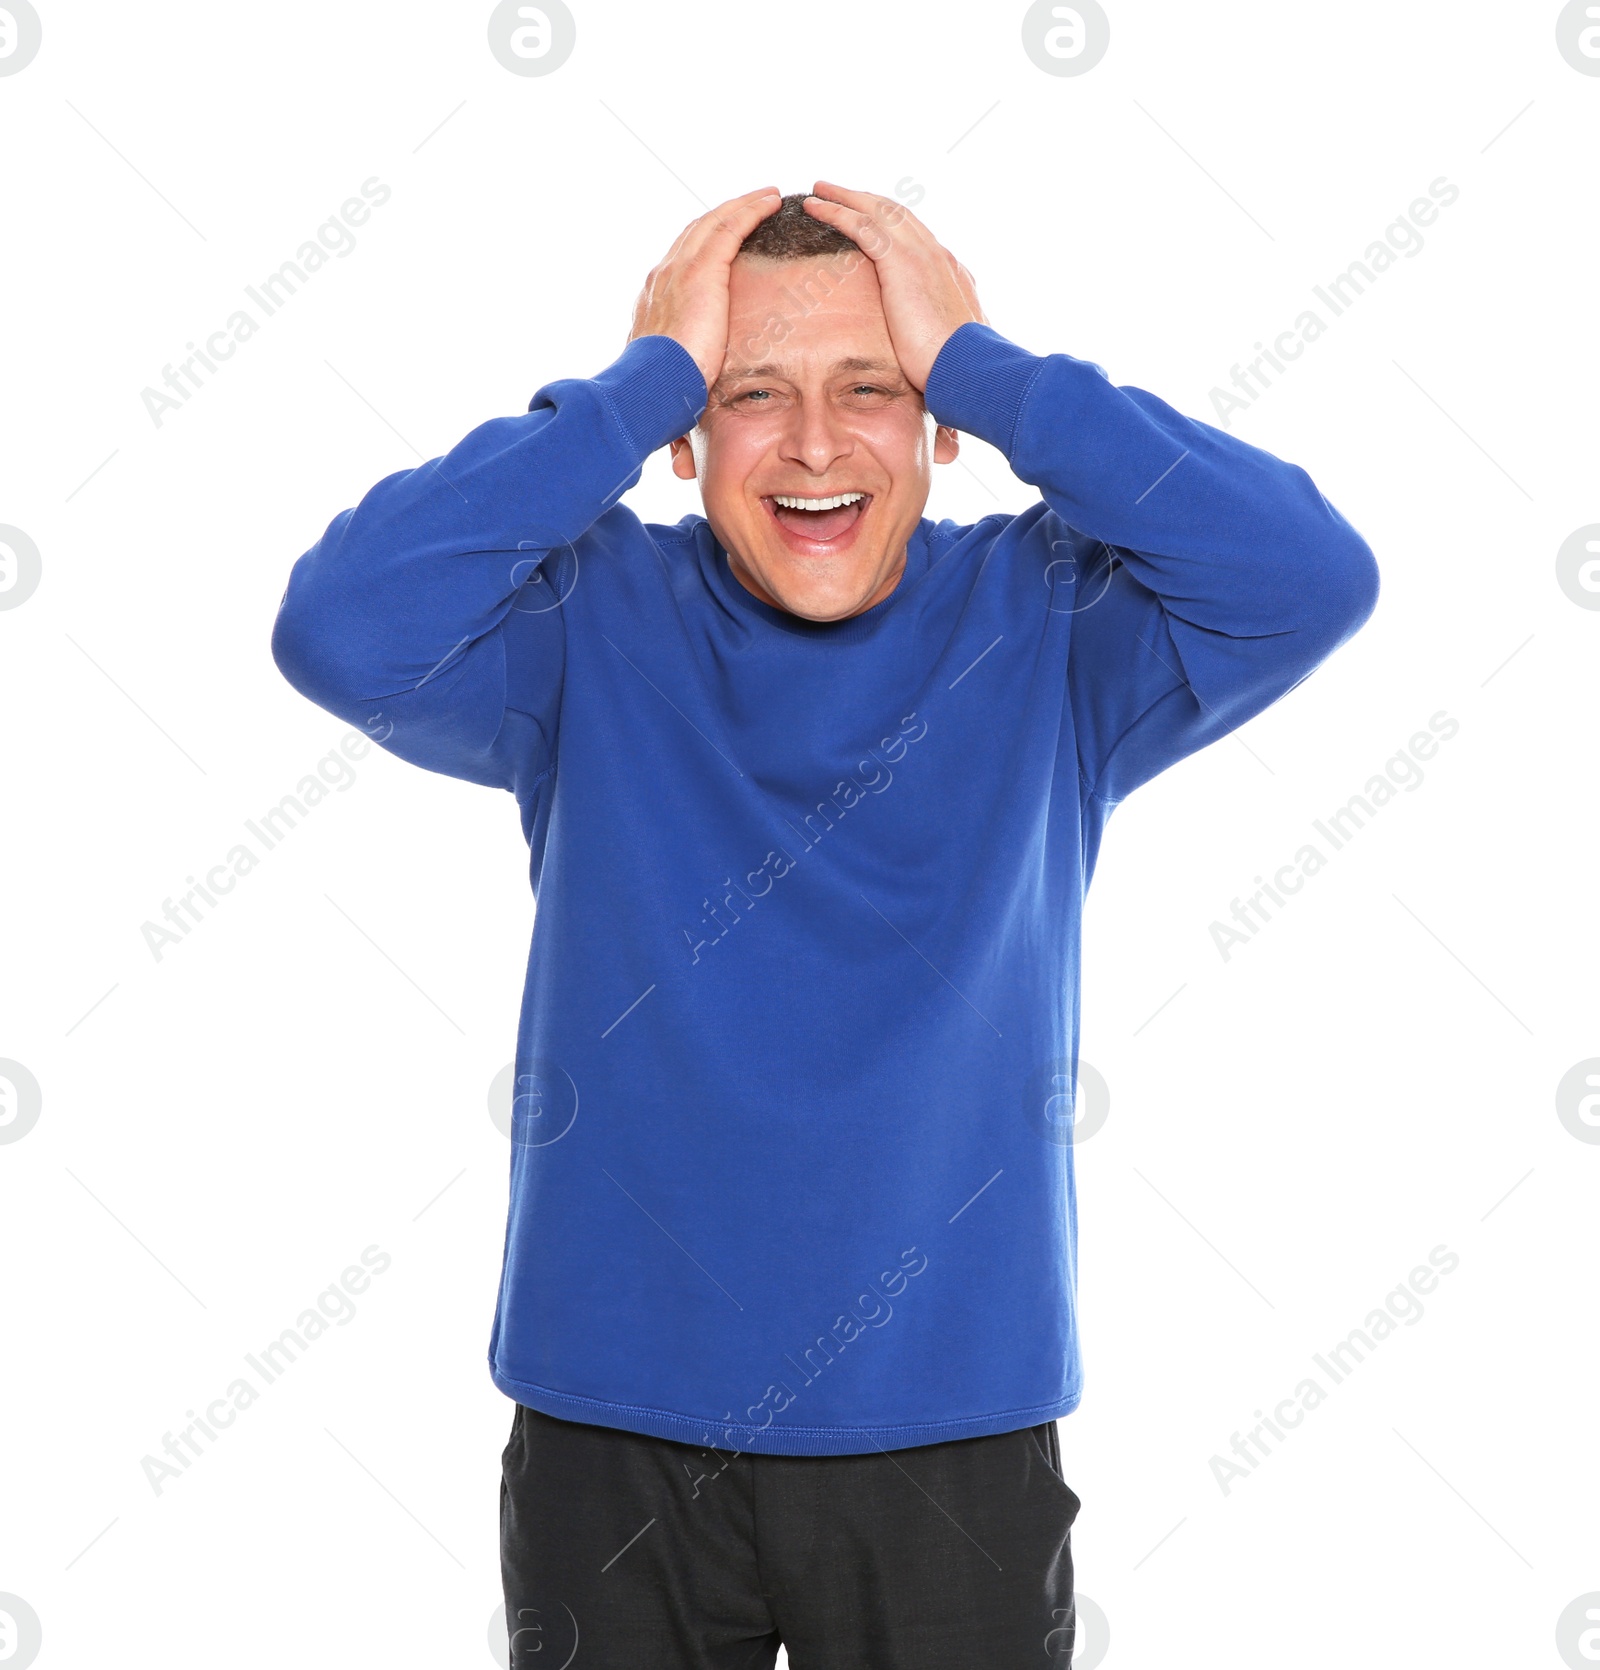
{"x":813,"y":788}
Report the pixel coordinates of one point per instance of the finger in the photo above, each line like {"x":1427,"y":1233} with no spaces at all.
{"x":697,"y":230}
{"x":875,"y":235}
{"x":721,"y":230}
{"x":878,"y":224}
{"x":864,"y":203}
{"x":844,"y":194}
{"x":890,"y":211}
{"x":842,"y":215}
{"x":732,"y":204}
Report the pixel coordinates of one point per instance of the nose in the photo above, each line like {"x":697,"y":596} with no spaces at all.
{"x":814,"y":437}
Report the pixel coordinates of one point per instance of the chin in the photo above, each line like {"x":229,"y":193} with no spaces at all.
{"x":822,"y":603}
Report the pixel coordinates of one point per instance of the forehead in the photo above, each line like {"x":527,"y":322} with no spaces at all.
{"x":818,"y":314}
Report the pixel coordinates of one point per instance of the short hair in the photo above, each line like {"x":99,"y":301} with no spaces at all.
{"x":790,"y":234}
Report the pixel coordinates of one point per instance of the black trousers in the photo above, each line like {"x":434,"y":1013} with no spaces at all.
{"x":620,"y":1551}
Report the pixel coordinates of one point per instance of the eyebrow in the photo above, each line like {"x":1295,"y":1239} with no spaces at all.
{"x":852,"y":362}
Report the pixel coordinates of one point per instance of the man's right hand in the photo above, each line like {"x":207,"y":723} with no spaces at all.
{"x":685,"y":296}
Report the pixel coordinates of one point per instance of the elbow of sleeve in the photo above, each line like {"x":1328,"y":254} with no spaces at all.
{"x":303,"y":651}
{"x":1354,"y":595}
{"x":1349,"y":570}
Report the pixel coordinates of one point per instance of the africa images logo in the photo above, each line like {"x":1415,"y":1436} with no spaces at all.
{"x":20,"y":37}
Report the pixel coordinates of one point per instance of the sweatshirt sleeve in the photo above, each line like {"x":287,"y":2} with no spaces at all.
{"x":405,"y":619}
{"x":1211,"y":577}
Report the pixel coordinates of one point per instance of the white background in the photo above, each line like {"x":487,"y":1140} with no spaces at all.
{"x":307,"y":1073}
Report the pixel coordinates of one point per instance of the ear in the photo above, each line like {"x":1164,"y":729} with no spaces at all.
{"x":946,"y":444}
{"x":683,"y":459}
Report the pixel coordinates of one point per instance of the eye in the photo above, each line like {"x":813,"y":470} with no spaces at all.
{"x":870,"y":394}
{"x":752,"y":394}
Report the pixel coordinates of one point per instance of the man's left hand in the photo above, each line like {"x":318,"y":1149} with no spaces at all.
{"x":927,"y":293}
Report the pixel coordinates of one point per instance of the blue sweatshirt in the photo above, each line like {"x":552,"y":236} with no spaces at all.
{"x":791,"y":1167}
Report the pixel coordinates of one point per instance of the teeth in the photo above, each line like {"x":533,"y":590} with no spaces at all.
{"x":790,"y":502}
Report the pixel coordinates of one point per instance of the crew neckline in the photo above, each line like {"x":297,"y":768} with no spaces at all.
{"x":856,"y":627}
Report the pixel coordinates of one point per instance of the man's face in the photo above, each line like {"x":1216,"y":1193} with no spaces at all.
{"x":812,"y":405}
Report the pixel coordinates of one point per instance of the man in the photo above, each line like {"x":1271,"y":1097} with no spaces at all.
{"x":813,"y":788}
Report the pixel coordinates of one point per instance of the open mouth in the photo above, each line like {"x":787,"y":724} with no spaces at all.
{"x":810,"y":522}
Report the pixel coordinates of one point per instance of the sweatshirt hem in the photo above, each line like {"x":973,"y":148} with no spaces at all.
{"x":773,"y":1439}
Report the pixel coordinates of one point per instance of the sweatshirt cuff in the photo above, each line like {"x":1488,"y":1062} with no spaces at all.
{"x":655,"y":390}
{"x":980,"y":380}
